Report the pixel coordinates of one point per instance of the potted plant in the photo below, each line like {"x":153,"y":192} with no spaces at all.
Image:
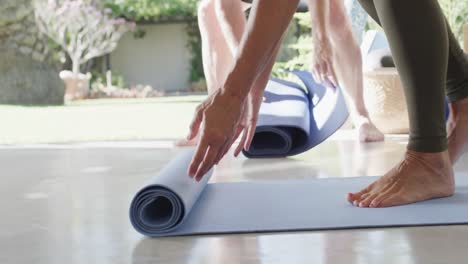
{"x":84,"y":31}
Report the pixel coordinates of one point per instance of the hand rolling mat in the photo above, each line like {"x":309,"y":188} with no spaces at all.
{"x":292,"y":121}
{"x":173,"y":204}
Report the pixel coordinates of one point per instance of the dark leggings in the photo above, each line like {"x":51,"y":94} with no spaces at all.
{"x":428,"y":58}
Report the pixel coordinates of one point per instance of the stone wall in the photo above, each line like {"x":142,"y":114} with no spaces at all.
{"x":27,"y":74}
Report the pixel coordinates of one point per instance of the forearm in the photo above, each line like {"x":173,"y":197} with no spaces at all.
{"x":267,"y":24}
{"x":262,"y":79}
{"x":319,"y":16}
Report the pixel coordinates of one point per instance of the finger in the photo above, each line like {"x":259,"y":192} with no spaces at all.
{"x":251,"y":133}
{"x":242,"y":140}
{"x":207,"y":162}
{"x":225,"y":148}
{"x":184,"y":143}
{"x":315,"y":73}
{"x":229,"y":143}
{"x":319,"y":76}
{"x":322,"y":72}
{"x":198,"y":156}
{"x":195,"y":124}
{"x":326,"y":75}
{"x":331,"y":75}
{"x":241,"y":144}
{"x":252,"y":125}
{"x":327,"y":82}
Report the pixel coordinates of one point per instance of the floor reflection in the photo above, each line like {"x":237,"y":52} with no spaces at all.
{"x":70,"y":205}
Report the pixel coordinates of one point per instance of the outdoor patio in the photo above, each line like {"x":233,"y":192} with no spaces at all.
{"x":94,"y":95}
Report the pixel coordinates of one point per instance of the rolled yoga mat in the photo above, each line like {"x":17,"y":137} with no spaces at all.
{"x":172,"y":204}
{"x":293,"y":120}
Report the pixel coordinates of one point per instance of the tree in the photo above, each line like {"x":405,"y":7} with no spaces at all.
{"x":80,"y":27}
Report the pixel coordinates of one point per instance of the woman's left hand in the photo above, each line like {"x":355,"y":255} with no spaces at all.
{"x":322,"y":69}
{"x":249,"y":120}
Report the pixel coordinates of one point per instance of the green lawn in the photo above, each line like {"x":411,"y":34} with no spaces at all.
{"x":98,"y":120}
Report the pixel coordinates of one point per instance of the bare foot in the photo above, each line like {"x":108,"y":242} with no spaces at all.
{"x":368,"y":132}
{"x":419,"y":177}
{"x":457,"y":129}
{"x":186,"y":143}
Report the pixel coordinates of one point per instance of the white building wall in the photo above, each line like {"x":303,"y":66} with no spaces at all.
{"x":160,"y":59}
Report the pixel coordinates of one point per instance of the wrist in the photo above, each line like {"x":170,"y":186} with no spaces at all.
{"x":238,"y":82}
{"x":231,"y":90}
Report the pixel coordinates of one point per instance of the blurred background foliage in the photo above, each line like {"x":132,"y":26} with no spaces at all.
{"x":456,"y":12}
{"x":297,"y":45}
{"x":153,"y":10}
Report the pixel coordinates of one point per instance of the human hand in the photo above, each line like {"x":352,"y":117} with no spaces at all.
{"x":216,"y":121}
{"x":322,"y":62}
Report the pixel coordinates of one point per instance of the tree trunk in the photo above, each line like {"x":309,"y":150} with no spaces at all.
{"x":27,"y":76}
{"x":76,"y":67}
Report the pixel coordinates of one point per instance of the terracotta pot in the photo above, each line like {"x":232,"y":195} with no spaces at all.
{"x":76,"y":85}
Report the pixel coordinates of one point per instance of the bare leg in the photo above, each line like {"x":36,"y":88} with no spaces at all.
{"x":426,"y":171}
{"x":222,"y":25}
{"x":230,"y":14}
{"x":347,"y":63}
{"x":216,"y":51}
{"x":221,"y":30}
{"x":458,"y":131}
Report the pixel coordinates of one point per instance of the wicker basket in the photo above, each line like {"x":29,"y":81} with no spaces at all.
{"x":385,"y":101}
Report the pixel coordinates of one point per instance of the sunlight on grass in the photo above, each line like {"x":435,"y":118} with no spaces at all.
{"x":99,"y":120}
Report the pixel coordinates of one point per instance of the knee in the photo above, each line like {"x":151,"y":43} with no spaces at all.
{"x":206,"y":10}
{"x":224,"y":7}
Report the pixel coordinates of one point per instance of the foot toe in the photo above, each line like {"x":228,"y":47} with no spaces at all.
{"x":355,"y":198}
{"x":377,"y":201}
{"x":367,"y":200}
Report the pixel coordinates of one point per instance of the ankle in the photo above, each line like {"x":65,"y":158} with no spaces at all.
{"x":360,"y":120}
{"x":438,"y":161}
{"x":460,"y":105}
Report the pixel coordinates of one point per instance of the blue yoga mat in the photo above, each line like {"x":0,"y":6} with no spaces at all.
{"x":172,"y":204}
{"x":293,"y":120}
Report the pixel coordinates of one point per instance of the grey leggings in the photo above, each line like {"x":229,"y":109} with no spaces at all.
{"x":429,"y":59}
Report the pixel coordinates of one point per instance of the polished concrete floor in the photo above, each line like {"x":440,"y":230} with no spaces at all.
{"x":69,"y":204}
